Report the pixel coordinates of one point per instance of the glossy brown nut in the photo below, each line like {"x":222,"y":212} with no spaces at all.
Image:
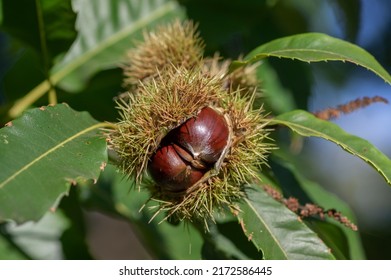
{"x":171,"y":172}
{"x":189,"y":151}
{"x":204,"y":136}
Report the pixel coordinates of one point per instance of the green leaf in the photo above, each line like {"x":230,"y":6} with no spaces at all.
{"x":98,"y":97}
{"x":40,"y":240}
{"x":276,"y":230}
{"x":315,"y":47}
{"x":327,"y":200}
{"x":333,"y":236}
{"x":330,"y":201}
{"x":218,"y":247}
{"x":226,"y":240}
{"x":308,"y":125}
{"x":9,"y":250}
{"x":106,"y":30}
{"x":42,"y":154}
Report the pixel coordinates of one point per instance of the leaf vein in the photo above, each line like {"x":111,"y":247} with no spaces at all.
{"x":267,"y":226}
{"x":48,"y":152}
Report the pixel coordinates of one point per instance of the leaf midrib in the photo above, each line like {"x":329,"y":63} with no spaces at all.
{"x":267,"y":227}
{"x":111,"y":40}
{"x":67,"y":68}
{"x":48,"y":152}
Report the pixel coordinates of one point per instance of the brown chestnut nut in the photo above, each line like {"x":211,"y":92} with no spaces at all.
{"x":171,"y":172}
{"x":189,"y":151}
{"x":204,"y":136}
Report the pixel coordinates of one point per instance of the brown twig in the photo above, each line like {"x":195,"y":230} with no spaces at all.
{"x":309,"y":209}
{"x":333,"y":113}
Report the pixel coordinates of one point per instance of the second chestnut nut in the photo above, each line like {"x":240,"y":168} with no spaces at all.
{"x":189,"y":151}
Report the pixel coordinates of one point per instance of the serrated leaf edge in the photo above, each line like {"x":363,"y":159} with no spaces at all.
{"x":315,"y":133}
{"x":343,"y":58}
{"x":51,"y":150}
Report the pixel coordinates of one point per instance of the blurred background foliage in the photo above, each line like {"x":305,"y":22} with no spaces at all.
{"x":231,"y":28}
